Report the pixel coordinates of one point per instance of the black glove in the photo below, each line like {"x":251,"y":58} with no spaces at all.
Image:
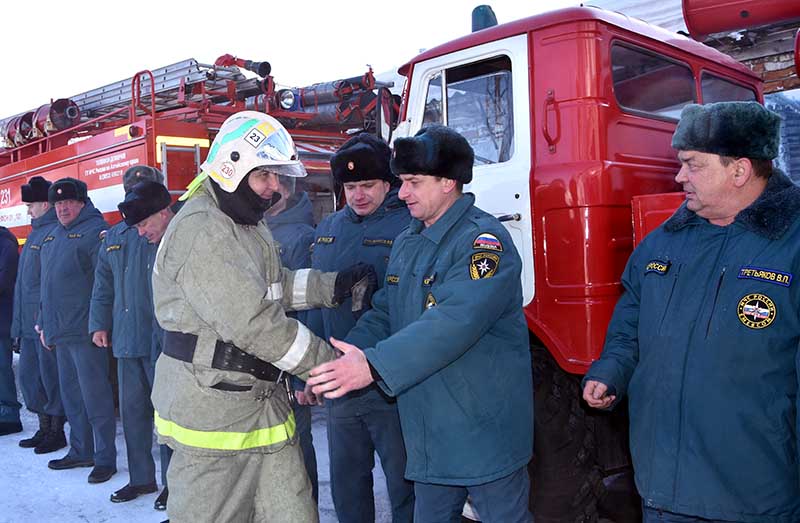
{"x":359,"y":281}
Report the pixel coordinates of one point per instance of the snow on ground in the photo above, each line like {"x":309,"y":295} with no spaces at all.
{"x":31,"y":492}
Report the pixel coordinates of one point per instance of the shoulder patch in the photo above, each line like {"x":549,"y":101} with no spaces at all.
{"x":767,"y":275}
{"x":325,"y":239}
{"x":658,"y":266}
{"x":488,"y":242}
{"x":756,"y":311}
{"x":369,"y":242}
{"x":114,"y":247}
{"x":392,"y":279}
{"x":483,"y":265}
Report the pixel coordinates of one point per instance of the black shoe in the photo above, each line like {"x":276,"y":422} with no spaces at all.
{"x":53,"y":441}
{"x":130,"y":492}
{"x":10,"y":427}
{"x":44,"y":428}
{"x":101,"y":474}
{"x":68,"y":462}
{"x":161,"y":501}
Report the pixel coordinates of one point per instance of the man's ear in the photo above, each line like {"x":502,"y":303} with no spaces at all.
{"x":449,"y":185}
{"x":742,"y":171}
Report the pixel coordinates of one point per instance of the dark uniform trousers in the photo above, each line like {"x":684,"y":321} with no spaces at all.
{"x":38,"y":378}
{"x":88,"y":401}
{"x":135,"y":377}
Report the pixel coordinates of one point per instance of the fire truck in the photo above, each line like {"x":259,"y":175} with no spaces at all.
{"x":570,"y":114}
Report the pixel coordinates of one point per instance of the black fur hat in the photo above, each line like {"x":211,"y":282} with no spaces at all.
{"x":67,"y":189}
{"x":436,"y":151}
{"x":140,"y":173}
{"x":35,"y":190}
{"x":144,"y":199}
{"x":737,"y":129}
{"x":362,"y":157}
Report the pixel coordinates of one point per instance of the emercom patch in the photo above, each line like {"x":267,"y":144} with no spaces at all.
{"x":767,"y":275}
{"x":658,"y":266}
{"x":756,"y":311}
{"x":483,"y":265}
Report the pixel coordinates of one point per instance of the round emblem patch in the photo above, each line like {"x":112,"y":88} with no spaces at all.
{"x":350,"y":166}
{"x":228,"y":170}
{"x":756,"y":311}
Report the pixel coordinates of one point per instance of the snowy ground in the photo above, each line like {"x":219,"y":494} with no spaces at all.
{"x":32,"y":492}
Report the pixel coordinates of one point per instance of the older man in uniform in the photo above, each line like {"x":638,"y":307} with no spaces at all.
{"x":9,"y":406}
{"x":69,"y":257}
{"x":221,"y":294}
{"x":364,"y":421}
{"x":38,"y":370}
{"x":447,"y":337}
{"x":704,"y":341}
{"x":121,"y":317}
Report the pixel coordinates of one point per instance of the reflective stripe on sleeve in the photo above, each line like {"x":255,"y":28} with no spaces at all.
{"x":299,"y":288}
{"x":297,"y":350}
{"x":275,"y":292}
{"x":219,"y":440}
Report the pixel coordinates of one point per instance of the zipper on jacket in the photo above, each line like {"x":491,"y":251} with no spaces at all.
{"x":714,"y":303}
{"x":671,"y":293}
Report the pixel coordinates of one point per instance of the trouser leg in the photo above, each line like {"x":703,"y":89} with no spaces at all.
{"x":30,"y":378}
{"x":302,"y":415}
{"x":284,"y":490}
{"x":384,"y":427}
{"x":438,"y":503}
{"x":165,"y":453}
{"x":81,"y":442}
{"x":503,"y":500}
{"x":352,"y":458}
{"x":92,"y":368}
{"x":9,"y":406}
{"x":48,"y":371}
{"x":136,"y":412}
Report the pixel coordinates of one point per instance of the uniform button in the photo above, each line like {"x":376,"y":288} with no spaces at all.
{"x":126,"y":310}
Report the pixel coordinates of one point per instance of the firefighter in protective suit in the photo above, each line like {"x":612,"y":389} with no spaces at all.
{"x":221,"y":293}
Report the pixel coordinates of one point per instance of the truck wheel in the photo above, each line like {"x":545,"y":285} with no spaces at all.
{"x":566,"y":479}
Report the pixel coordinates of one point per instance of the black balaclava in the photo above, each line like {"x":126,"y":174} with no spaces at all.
{"x":244,"y":206}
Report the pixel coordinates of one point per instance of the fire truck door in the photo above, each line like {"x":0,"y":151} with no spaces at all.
{"x":482,"y":92}
{"x":180,"y":164}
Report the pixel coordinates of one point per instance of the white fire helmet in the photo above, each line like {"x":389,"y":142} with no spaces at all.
{"x":248,"y":140}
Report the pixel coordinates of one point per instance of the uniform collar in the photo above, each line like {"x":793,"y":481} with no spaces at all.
{"x":770,"y":215}
{"x":437,"y":231}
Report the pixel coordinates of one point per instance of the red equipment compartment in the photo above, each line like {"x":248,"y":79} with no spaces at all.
{"x":651,"y":210}
{"x":705,"y":17}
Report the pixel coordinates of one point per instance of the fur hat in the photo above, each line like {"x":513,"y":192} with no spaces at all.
{"x":67,"y":189}
{"x":436,"y":151}
{"x":140,"y":173}
{"x":144,"y":199}
{"x":737,"y":129}
{"x":362,"y":157}
{"x":35,"y":190}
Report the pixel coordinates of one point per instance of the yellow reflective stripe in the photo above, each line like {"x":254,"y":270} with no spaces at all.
{"x":219,"y":440}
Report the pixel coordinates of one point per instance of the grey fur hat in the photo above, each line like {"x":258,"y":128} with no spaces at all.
{"x":435,"y":150}
{"x":736,"y":129}
{"x":140,"y":173}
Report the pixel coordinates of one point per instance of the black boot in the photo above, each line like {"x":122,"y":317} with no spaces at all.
{"x":55,"y":439}
{"x":44,"y":428}
{"x":161,"y":501}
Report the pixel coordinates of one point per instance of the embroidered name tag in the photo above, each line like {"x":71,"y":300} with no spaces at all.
{"x":325,"y":239}
{"x":74,"y":235}
{"x":392,"y":279}
{"x":34,"y":247}
{"x":658,"y":266}
{"x":377,"y":241}
{"x":767,"y":275}
{"x":113,"y":247}
{"x":488,"y":242}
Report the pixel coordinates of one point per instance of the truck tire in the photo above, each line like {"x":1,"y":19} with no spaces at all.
{"x":566,"y":480}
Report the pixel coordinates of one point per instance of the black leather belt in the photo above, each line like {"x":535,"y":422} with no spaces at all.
{"x":227,"y":356}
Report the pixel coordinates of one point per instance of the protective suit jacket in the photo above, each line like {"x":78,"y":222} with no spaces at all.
{"x":9,"y":260}
{"x":121,"y":300}
{"x":222,"y":281}
{"x":26,"y":289}
{"x":343,"y":239}
{"x":447,"y":336}
{"x":704,"y":342}
{"x":69,"y":258}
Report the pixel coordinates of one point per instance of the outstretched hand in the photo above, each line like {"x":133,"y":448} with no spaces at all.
{"x":348,"y":372}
